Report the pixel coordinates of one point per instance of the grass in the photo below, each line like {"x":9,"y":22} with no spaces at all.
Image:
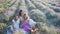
{"x":6,"y":4}
{"x":2,"y":10}
{"x":5,"y":20}
{"x":44,"y":29}
{"x":17,"y":5}
{"x":3,"y":28}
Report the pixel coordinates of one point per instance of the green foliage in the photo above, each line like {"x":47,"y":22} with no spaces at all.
{"x":49,"y":13}
{"x":17,"y":5}
{"x":30,"y":5}
{"x":57,"y":10}
{"x":3,"y":28}
{"x":6,"y":20}
{"x":6,"y":4}
{"x":53,"y":4}
{"x":47,"y":30}
{"x":2,"y":10}
{"x":30,"y":8}
{"x":37,"y":15}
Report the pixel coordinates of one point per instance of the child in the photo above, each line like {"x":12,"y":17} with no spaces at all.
{"x":16,"y":22}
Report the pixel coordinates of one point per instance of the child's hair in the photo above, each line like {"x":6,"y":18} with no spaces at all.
{"x":15,"y":17}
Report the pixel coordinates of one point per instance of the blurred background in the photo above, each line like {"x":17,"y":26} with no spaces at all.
{"x":45,"y":12}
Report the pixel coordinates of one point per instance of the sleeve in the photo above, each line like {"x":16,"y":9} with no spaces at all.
{"x":32,"y":23}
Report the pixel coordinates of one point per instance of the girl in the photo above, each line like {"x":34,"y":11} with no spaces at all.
{"x":16,"y":22}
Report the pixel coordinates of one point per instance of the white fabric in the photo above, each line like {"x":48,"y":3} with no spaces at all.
{"x":32,"y":23}
{"x":16,"y":23}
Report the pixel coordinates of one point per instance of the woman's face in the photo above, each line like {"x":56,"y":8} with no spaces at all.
{"x":22,"y":13}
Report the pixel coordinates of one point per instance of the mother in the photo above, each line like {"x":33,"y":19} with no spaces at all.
{"x":24,"y":24}
{"x":21,"y":14}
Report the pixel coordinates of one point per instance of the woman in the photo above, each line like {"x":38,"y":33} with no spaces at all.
{"x":21,"y":13}
{"x":26,"y":25}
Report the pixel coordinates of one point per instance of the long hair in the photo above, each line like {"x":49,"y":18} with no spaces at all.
{"x":20,"y":12}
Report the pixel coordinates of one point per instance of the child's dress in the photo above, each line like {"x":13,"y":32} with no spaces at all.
{"x":16,"y":26}
{"x":16,"y":23}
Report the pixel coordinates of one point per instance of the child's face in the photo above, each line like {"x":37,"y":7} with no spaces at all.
{"x":16,"y":17}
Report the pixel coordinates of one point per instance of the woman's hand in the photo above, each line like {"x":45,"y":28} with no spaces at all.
{"x":32,"y":30}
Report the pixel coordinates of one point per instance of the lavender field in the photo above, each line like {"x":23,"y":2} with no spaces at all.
{"x":45,"y":12}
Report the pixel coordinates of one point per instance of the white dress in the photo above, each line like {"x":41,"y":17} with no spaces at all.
{"x":16,"y":26}
{"x":16,"y":23}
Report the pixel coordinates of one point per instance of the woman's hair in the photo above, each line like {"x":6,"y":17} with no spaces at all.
{"x":20,"y":12}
